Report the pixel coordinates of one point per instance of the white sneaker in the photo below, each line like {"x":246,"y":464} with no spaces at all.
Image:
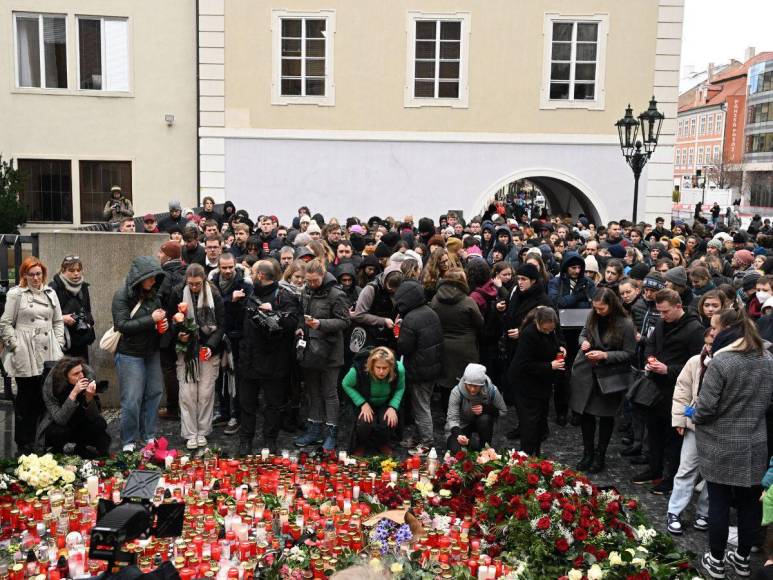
{"x":128,"y":448}
{"x":202,"y":441}
{"x":192,"y":443}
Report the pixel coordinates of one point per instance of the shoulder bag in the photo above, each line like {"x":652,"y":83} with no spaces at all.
{"x":111,"y":338}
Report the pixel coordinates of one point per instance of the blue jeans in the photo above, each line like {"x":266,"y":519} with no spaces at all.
{"x":141,"y":384}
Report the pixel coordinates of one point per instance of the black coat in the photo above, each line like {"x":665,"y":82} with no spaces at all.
{"x":139,"y":337}
{"x":328,"y":305}
{"x":421,"y":336}
{"x":214,"y":340}
{"x":264,"y":355}
{"x":166,"y":224}
{"x":530,"y":373}
{"x":75,"y":304}
{"x":521,"y":303}
{"x":174,"y":271}
{"x":196,"y":256}
{"x":673,"y":344}
{"x":234,"y":309}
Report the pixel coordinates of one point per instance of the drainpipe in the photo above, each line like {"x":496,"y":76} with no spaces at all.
{"x":198,"y":114}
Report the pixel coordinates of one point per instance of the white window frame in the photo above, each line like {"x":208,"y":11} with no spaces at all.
{"x":463,"y":101}
{"x":702,"y":125}
{"x":277,"y":98}
{"x":15,"y":56}
{"x":129,"y":69}
{"x":693,"y":126}
{"x":597,"y":104}
{"x":699,"y":158}
{"x":715,"y":158}
{"x":680,"y":127}
{"x":718,"y":121}
{"x":690,"y":157}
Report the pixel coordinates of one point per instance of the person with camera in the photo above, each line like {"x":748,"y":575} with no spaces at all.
{"x":75,"y":301}
{"x":72,"y":411}
{"x":117,"y":207}
{"x":270,"y":318}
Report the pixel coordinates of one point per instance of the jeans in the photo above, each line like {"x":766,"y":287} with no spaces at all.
{"x":140,"y":381}
{"x":534,"y":421}
{"x":421,"y":395}
{"x":480,"y":431}
{"x":197,"y":399}
{"x":684,"y":482}
{"x":322,"y":389}
{"x":747,"y":503}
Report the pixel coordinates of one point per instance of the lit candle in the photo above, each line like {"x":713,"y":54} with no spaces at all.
{"x":168,"y":460}
{"x":264,"y":453}
{"x":92,"y":485}
{"x":184,"y":460}
{"x":356,"y":492}
{"x":342,"y":456}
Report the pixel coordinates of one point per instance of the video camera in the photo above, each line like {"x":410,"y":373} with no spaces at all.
{"x":267,"y":321}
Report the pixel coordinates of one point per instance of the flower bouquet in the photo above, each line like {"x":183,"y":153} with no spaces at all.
{"x":43,"y":472}
{"x":190,"y":348}
{"x":157,"y":451}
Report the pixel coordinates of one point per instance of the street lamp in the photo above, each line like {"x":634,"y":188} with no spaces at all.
{"x":649,"y":122}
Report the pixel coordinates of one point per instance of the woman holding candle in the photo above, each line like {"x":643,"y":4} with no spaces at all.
{"x":72,"y":411}
{"x":375,"y":384}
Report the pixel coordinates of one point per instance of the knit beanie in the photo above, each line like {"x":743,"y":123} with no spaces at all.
{"x":171,"y":249}
{"x":639,"y":271}
{"x":654,"y":281}
{"x":616,"y":251}
{"x":750,"y":280}
{"x":715,"y":243}
{"x":677,"y":276}
{"x":745,"y":257}
{"x":383,"y":251}
{"x":528,"y":271}
{"x":591,"y":264}
{"x":453,"y":245}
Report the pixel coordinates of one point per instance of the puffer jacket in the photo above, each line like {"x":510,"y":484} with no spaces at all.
{"x":328,"y":305}
{"x":460,"y":404}
{"x":560,"y":290}
{"x":686,"y":391}
{"x":139,"y":337}
{"x":421,"y":336}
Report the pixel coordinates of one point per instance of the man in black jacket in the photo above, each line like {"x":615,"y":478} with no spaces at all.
{"x":174,"y":219}
{"x":676,"y":337}
{"x":420,"y":341}
{"x":173,"y":267}
{"x":266,"y":357}
{"x":193,"y":251}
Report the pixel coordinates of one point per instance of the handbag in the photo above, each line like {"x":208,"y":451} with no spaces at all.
{"x":313,"y":351}
{"x":111,"y":338}
{"x":644,"y":392}
{"x":614,"y":379}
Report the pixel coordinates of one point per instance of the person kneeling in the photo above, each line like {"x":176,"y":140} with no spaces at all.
{"x":72,"y":411}
{"x":376,"y":386}
{"x":473,"y":408}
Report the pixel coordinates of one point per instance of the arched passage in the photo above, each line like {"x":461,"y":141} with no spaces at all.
{"x":564,"y":193}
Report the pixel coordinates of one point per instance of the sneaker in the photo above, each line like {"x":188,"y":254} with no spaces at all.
{"x":420,"y":450}
{"x":644,"y":477}
{"x":128,"y":448}
{"x":701,"y":523}
{"x":741,"y":565}
{"x":219,"y":421}
{"x":715,"y":568}
{"x":192,"y":443}
{"x":674,"y":525}
{"x":663,"y":487}
{"x":232,"y":427}
{"x":201,"y":441}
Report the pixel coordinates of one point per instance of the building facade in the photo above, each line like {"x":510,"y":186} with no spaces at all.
{"x":419,"y":106}
{"x":99,"y":93}
{"x":758,"y":146}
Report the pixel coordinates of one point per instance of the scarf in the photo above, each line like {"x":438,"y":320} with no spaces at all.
{"x":73,"y":289}
{"x":726,"y":337}
{"x":203,"y":313}
{"x":225,"y":285}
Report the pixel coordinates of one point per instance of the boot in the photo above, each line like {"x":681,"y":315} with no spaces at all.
{"x":312,"y":435}
{"x":599,"y":459}
{"x":245,"y":447}
{"x":290,"y":423}
{"x":586,"y":461}
{"x":330,"y":438}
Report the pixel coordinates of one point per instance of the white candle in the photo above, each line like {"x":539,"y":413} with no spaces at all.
{"x":92,"y":484}
{"x":264,"y":453}
{"x":168,"y":460}
{"x":356,"y":492}
{"x":184,"y":460}
{"x":342,"y":456}
{"x":393,"y":476}
{"x":198,"y":485}
{"x":347,"y":507}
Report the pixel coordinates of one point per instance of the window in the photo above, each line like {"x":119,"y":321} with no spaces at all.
{"x":679,"y":129}
{"x":41,"y":51}
{"x":438,"y":60}
{"x":303,"y":58}
{"x":716,"y":155}
{"x":97,"y":177}
{"x":103,"y":54}
{"x":718,"y":121}
{"x":689,"y":156}
{"x":574,"y":61}
{"x":700,"y":156}
{"x":679,"y":156}
{"x":692,"y":127}
{"x":703,"y":125}
{"x":47,"y":189}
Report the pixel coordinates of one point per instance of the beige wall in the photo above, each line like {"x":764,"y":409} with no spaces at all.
{"x":506,"y":65}
{"x":69,"y":125}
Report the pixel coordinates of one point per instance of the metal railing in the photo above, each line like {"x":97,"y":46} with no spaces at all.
{"x":14,"y":244}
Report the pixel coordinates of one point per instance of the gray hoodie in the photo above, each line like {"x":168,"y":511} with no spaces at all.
{"x":460,"y":405}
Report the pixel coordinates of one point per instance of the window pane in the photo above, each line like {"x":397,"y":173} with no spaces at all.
{"x":562,"y":31}
{"x":559,"y":91}
{"x":561,"y":51}
{"x":315,"y":67}
{"x":55,"y":50}
{"x":315,"y":28}
{"x":90,"y":54}
{"x":97,"y":177}
{"x":426,"y":29}
{"x":425,"y":49}
{"x":47,"y":190}
{"x":291,"y":87}
{"x":450,"y":30}
{"x":315,"y":87}
{"x":585,"y":72}
{"x":116,"y":69}
{"x":291,"y":67}
{"x":586,"y":32}
{"x":449,"y":70}
{"x":448,"y":90}
{"x":450,"y":49}
{"x":291,"y":47}
{"x":315,"y":48}
{"x":559,"y":72}
{"x":291,"y":28}
{"x":585,"y":91}
{"x":424,"y":69}
{"x":424,"y":89}
{"x":586,"y":51}
{"x":28,"y":38}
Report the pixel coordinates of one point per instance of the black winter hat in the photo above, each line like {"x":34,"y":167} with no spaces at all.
{"x":529,"y":271}
{"x":426,"y":226}
{"x":390,"y":239}
{"x":358,"y":242}
{"x":500,"y":248}
{"x":616,"y":251}
{"x":639,"y":271}
{"x":369,"y":261}
{"x":383,"y":251}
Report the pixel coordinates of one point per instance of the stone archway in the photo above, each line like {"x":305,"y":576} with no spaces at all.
{"x":564,"y":193}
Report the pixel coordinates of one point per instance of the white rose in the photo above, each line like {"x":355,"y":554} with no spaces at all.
{"x":615,"y":559}
{"x":640,"y":562}
{"x":595,"y":572}
{"x":574,"y":574}
{"x":68,"y":476}
{"x":396,"y":568}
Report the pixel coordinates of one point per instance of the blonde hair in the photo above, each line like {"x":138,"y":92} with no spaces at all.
{"x":382,"y":353}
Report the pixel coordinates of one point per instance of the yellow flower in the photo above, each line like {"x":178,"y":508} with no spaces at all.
{"x":68,"y":476}
{"x":445,"y":493}
{"x":640,"y":562}
{"x":388,"y":465}
{"x":396,"y":568}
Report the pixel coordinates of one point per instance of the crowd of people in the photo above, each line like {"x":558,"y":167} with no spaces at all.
{"x":321,"y":324}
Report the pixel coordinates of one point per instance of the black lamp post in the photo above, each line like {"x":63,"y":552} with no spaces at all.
{"x":650,"y":122}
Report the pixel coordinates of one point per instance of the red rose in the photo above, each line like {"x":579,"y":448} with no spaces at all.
{"x":467,"y":466}
{"x":601,"y":554}
{"x":567,"y":516}
{"x":545,"y":506}
{"x":494,"y":500}
{"x":613,"y":508}
{"x":532,"y":479}
{"x":460,"y":455}
{"x":543,"y":523}
{"x":580,"y":534}
{"x":590,"y":550}
{"x":558,"y":481}
{"x":547,"y":468}
{"x":562,"y":545}
{"x":632,"y":504}
{"x":579,"y":562}
{"x":521,"y":513}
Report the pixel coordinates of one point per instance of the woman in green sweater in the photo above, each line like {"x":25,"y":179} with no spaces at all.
{"x":376,"y":386}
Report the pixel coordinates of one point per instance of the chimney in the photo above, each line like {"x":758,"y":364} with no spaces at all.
{"x":710,"y":72}
{"x":749,"y":54}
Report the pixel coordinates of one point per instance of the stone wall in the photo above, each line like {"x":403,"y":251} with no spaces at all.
{"x":106,"y":257}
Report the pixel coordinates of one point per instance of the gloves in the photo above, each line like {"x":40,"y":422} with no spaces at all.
{"x":689,"y":411}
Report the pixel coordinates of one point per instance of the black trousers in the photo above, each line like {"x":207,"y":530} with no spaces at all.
{"x":169,"y":371}
{"x":374,"y":434}
{"x":79,"y":352}
{"x":749,"y":508}
{"x":665,"y":445}
{"x":84,"y":433}
{"x":480,"y":431}
{"x":29,"y":408}
{"x":533,"y":413}
{"x":227,"y":407}
{"x":274,"y":403}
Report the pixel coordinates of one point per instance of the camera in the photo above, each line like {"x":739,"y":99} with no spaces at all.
{"x":81,"y":322}
{"x":268,"y":322}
